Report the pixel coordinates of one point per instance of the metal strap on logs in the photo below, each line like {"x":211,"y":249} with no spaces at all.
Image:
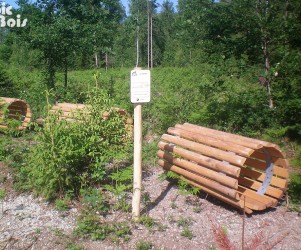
{"x":246,"y":173}
{"x":16,"y":109}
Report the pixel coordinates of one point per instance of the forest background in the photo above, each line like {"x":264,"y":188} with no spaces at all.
{"x":232,"y":65}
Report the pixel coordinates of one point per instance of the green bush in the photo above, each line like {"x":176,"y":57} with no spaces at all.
{"x":6,"y":83}
{"x":144,"y":245}
{"x":2,"y":194}
{"x":71,"y":155}
{"x":89,"y":225}
{"x":295,"y":188}
{"x":4,"y":147}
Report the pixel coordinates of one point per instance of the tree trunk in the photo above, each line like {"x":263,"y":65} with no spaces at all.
{"x":50,"y":74}
{"x":148,"y":33}
{"x":262,"y":8}
{"x":107,"y":61}
{"x":96,"y":60}
{"x":66,"y":71}
{"x":151,"y":39}
{"x":267,"y":66}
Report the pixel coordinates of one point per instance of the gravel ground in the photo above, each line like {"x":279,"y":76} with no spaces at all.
{"x":27,"y":222}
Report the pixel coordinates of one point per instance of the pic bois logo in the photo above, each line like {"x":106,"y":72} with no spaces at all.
{"x":8,"y":20}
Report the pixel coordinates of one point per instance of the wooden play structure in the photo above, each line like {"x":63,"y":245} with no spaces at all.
{"x":69,"y":111}
{"x":16,"y":109}
{"x":246,"y":173}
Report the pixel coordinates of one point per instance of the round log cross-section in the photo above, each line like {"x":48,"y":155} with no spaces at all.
{"x":16,"y":109}
{"x":247,"y":173}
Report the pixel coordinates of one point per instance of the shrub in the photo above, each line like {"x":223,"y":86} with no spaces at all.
{"x":89,"y":225}
{"x":71,"y":155}
{"x":2,"y":194}
{"x":144,"y":245}
{"x":295,"y":188}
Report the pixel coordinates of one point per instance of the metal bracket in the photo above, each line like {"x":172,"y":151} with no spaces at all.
{"x":268,"y":173}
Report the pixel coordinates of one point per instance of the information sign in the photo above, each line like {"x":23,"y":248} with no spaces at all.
{"x":140,"y":86}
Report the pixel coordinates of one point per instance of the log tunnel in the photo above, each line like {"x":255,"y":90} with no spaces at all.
{"x":246,"y":173}
{"x":68,"y":112}
{"x":16,"y":109}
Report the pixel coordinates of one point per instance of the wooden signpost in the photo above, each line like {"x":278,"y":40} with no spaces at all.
{"x":140,"y":93}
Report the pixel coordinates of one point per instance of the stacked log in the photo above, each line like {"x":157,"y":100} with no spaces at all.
{"x":14,"y":109}
{"x":247,"y":173}
{"x":69,"y":111}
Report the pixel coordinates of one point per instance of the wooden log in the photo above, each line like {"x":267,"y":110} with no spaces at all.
{"x":16,"y":109}
{"x":254,"y":163}
{"x":201,"y":180}
{"x":255,"y":185}
{"x":197,"y":169}
{"x":252,"y":203}
{"x":261,"y":198}
{"x":275,"y":181}
{"x":241,"y":140}
{"x":69,"y":106}
{"x":276,"y":160}
{"x":70,"y":110}
{"x":219,"y":135}
{"x":206,"y":150}
{"x":260,"y":167}
{"x":201,"y":159}
{"x":228,"y":146}
{"x":235,"y":203}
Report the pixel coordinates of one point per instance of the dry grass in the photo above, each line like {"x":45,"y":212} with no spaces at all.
{"x":221,"y":238}
{"x":258,"y":242}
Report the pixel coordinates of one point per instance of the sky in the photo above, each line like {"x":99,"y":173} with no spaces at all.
{"x":124,"y":2}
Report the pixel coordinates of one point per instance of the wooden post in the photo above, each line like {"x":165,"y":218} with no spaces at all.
{"x":140,"y":93}
{"x":137,"y":161}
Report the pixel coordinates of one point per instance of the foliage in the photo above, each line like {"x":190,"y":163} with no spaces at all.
{"x":64,"y":32}
{"x":295,"y":188}
{"x":72,"y":246}
{"x":5,"y":149}
{"x":148,"y":151}
{"x":89,"y":225}
{"x":184,"y":221}
{"x":121,"y":181}
{"x":13,"y":154}
{"x":6,"y":84}
{"x":2,"y":193}
{"x":216,"y":57}
{"x":144,"y":245}
{"x":94,"y":199}
{"x":221,"y":238}
{"x":61,"y":204}
{"x":186,"y":232}
{"x":147,"y":221}
{"x":183,"y":186}
{"x":258,"y":240}
{"x":73,"y":155}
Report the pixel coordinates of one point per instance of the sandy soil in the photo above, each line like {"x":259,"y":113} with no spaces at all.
{"x":29,"y":223}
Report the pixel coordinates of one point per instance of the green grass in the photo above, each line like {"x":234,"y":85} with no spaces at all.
{"x":144,"y":245}
{"x":2,"y":194}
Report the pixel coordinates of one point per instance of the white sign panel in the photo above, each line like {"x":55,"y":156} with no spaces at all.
{"x":140,"y":86}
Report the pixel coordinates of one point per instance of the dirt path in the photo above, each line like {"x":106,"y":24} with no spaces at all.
{"x":29,"y":223}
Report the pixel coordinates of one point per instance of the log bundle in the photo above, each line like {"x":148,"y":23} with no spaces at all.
{"x":246,"y":173}
{"x":14,"y":109}
{"x":69,"y":111}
